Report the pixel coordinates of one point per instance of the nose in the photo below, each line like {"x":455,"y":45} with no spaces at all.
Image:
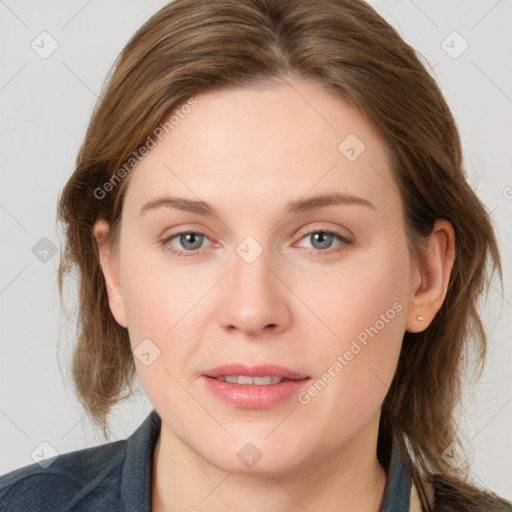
{"x":255,"y":298}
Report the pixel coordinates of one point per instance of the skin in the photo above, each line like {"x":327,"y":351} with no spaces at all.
{"x":248,"y":153}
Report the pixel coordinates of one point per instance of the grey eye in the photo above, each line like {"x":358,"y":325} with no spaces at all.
{"x":191,"y":241}
{"x":321,"y":239}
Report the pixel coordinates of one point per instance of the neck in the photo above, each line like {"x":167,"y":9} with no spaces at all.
{"x":351,"y":478}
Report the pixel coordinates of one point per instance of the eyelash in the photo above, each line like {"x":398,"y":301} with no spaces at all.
{"x":345,"y":242}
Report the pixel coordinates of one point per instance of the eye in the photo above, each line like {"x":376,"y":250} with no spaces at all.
{"x":323,"y":239}
{"x":190,"y":241}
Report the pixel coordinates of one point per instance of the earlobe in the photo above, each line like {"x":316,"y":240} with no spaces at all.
{"x":110,"y":271}
{"x":434,"y":270}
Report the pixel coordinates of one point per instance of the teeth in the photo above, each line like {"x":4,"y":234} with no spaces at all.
{"x":247,"y":380}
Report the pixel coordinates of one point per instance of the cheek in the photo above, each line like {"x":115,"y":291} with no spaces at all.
{"x":153,"y":295}
{"x":163,"y":304}
{"x":156,"y":303}
{"x":353,"y":295}
{"x":363,"y":305}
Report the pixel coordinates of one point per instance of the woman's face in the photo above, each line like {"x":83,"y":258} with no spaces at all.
{"x":257,"y":283}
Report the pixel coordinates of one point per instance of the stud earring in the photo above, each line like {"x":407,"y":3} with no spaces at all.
{"x":420,"y":318}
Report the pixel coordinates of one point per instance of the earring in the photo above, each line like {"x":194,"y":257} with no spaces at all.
{"x":420,"y":318}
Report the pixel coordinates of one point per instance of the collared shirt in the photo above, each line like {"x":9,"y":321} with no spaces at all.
{"x":117,"y":477}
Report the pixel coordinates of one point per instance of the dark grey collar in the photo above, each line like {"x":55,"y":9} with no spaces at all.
{"x":137,"y":467}
{"x":398,"y":487}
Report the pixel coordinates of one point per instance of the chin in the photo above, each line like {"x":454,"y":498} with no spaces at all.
{"x":258,"y":457}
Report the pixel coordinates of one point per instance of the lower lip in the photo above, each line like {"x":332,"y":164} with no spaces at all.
{"x":251,"y":396}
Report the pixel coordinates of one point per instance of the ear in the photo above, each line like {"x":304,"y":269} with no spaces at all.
{"x":433,"y":273}
{"x":110,"y":268}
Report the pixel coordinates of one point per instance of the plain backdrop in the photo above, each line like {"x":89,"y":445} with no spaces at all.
{"x":47,"y":92}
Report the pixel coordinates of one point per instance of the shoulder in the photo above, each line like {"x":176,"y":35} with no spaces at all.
{"x":70,"y":481}
{"x":114,"y":476}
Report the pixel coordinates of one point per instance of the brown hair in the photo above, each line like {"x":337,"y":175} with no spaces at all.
{"x":193,"y":46}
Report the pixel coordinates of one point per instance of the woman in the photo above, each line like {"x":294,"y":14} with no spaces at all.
{"x":273,"y":230}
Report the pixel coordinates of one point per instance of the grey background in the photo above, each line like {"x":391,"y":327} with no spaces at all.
{"x":45,"y":105}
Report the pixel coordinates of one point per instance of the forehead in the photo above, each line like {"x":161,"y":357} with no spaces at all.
{"x":265,"y":145}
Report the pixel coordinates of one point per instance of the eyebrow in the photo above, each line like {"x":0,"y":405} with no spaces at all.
{"x":293,"y":207}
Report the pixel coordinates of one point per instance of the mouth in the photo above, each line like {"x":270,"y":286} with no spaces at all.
{"x":255,"y":387}
{"x":243,"y":373}
{"x":247,"y":380}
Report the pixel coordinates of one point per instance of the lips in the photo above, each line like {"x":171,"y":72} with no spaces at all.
{"x":263,"y":370}
{"x":247,"y":387}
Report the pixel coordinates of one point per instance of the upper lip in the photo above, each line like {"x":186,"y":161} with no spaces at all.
{"x":261,"y":370}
